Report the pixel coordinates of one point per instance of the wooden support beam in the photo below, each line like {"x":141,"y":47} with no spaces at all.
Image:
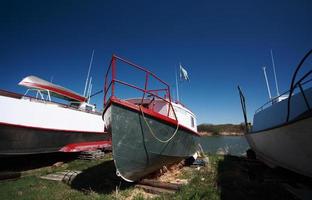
{"x":155,"y":190}
{"x":158,"y":184}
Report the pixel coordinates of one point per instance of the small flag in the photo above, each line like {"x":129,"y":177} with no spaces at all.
{"x":183,"y":73}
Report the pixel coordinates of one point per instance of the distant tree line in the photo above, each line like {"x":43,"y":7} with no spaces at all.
{"x":221,"y":128}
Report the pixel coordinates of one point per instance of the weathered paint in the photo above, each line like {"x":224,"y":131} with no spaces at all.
{"x":136,"y":152}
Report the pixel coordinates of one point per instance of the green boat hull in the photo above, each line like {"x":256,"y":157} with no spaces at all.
{"x":136,"y":151}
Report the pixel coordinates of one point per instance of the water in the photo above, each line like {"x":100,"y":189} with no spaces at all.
{"x":234,"y":145}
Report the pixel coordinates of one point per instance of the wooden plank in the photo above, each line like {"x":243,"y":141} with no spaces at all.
{"x":53,"y":178}
{"x":165,"y":185}
{"x":91,"y":155}
{"x":66,"y":176}
{"x":155,"y":190}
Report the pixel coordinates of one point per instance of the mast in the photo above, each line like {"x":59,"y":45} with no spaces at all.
{"x":89,"y":90}
{"x":87,"y":80}
{"x":267,"y":83}
{"x":177,"y":85}
{"x":273,"y":64}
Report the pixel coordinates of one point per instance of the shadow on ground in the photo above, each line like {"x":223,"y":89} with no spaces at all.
{"x":28,"y":162}
{"x":101,"y":179}
{"x":242,"y":178}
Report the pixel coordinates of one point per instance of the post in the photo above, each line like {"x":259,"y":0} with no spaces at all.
{"x":177,"y":85}
{"x":273,"y":64}
{"x":87,"y":80}
{"x":267,"y":83}
{"x":113,"y":75}
{"x":145,"y":86}
{"x":89,"y":89}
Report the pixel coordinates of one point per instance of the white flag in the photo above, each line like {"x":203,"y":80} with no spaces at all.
{"x":183,"y":73}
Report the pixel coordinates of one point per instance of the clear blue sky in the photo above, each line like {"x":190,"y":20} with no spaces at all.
{"x":220,"y":43}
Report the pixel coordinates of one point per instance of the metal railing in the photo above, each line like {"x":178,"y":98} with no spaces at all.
{"x":111,"y":86}
{"x":270,"y":102}
{"x":44,"y":101}
{"x":293,"y":87}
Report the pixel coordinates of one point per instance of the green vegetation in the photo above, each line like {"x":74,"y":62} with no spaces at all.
{"x":225,"y":177}
{"x":231,"y":177}
{"x":202,"y":184}
{"x":221,"y":128}
{"x":98,"y":181}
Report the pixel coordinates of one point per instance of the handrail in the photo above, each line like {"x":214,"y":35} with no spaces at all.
{"x":153,"y":92}
{"x":272,"y":100}
{"x":141,"y":68}
{"x":30,"y":98}
{"x":293,"y":86}
{"x":140,"y":89}
{"x":105,"y":82}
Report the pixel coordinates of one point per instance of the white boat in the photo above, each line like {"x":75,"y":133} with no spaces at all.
{"x":36,"y":124}
{"x":281,"y":134}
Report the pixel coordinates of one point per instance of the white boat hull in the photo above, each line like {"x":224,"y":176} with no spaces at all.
{"x":288,"y":146}
{"x":30,"y":126}
{"x":43,"y":114}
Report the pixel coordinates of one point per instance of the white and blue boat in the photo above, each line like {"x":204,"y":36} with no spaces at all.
{"x":281,"y":134}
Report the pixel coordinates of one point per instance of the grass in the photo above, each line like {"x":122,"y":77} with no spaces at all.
{"x":226,"y":177}
{"x":202,"y":183}
{"x":98,"y":181}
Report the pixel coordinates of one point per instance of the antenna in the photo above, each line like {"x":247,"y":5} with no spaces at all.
{"x":89,"y":89}
{"x":273,"y":64}
{"x":267,"y":83}
{"x":87,"y":80}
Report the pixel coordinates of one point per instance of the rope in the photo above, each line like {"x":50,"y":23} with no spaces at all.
{"x":152,"y":132}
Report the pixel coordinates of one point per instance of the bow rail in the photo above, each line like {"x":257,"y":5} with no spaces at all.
{"x":110,"y":86}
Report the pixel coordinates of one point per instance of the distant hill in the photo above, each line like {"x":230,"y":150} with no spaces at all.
{"x":221,"y":129}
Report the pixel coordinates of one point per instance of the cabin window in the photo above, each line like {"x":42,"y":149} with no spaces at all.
{"x":192,"y":122}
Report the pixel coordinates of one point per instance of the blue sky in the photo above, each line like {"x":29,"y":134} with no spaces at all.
{"x":220,"y":43}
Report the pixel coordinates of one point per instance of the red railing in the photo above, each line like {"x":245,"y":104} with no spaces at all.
{"x":145,"y":90}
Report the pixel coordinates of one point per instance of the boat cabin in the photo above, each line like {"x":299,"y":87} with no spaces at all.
{"x":184,"y":115}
